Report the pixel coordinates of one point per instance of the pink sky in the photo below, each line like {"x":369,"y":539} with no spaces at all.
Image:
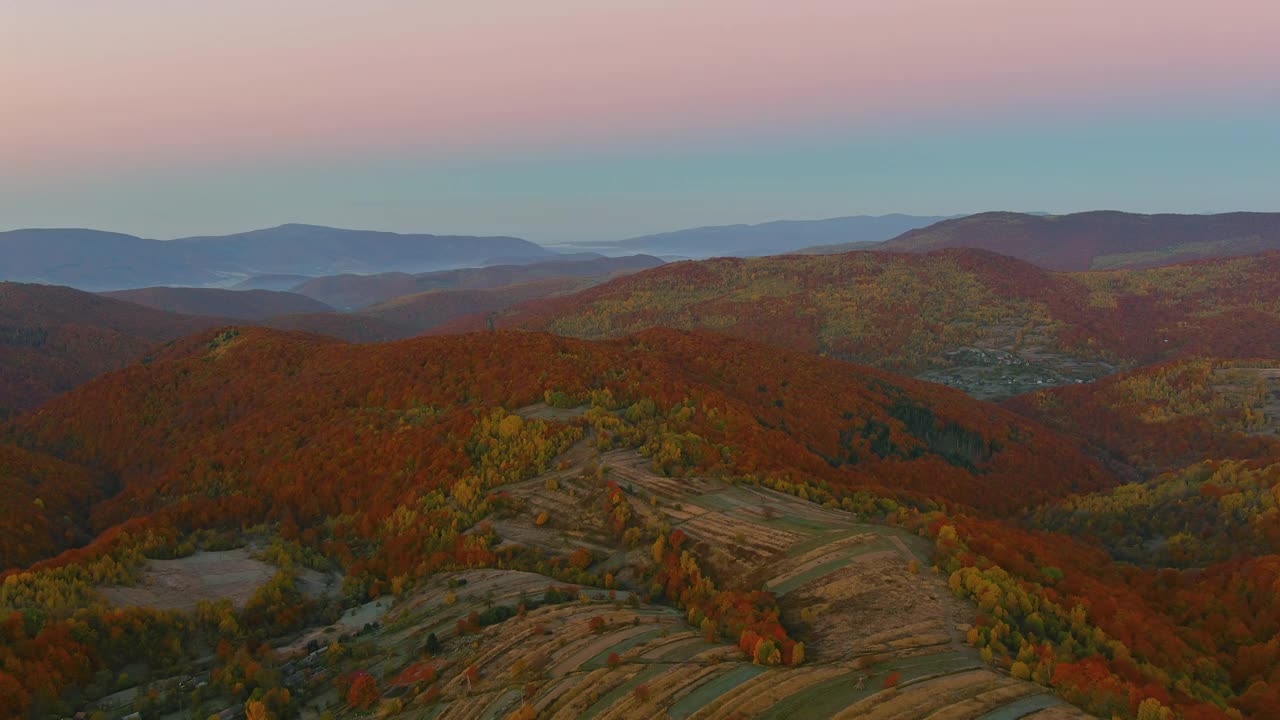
{"x":87,"y":85}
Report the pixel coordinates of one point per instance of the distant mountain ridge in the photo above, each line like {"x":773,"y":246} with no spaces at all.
{"x":770,"y":238}
{"x":273,"y":258}
{"x":1099,"y":240}
{"x":97,"y":260}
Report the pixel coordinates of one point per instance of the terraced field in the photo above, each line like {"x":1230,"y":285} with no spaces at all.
{"x":883,"y":640}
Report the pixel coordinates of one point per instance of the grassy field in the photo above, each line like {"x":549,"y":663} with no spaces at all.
{"x":182,"y":583}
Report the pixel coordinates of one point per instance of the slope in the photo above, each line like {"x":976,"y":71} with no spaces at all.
{"x":400,"y":461}
{"x":1165,"y":417}
{"x":988,"y":324}
{"x":1099,"y":240}
{"x":415,"y":314}
{"x":275,"y":407}
{"x":55,"y":338}
{"x":48,"y":502}
{"x":237,"y":304}
{"x":359,"y":291}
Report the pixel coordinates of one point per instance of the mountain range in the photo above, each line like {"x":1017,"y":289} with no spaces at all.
{"x":95,"y":260}
{"x":320,"y":261}
{"x":723,"y":495}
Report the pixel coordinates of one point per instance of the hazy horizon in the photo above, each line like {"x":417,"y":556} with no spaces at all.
{"x":573,"y":121}
{"x":604,"y":241}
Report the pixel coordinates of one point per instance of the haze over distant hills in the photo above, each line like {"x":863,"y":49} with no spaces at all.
{"x":1099,"y":240}
{"x":96,"y":260}
{"x":780,"y":236}
{"x":288,"y":256}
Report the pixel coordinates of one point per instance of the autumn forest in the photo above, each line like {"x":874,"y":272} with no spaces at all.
{"x":888,"y":484}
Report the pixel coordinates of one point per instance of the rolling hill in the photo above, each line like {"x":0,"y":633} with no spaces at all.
{"x":420,"y":312}
{"x":1099,"y":240}
{"x":237,"y":304}
{"x":353,"y":292}
{"x":989,"y":324}
{"x":48,"y":501}
{"x":1165,"y":417}
{"x":723,"y":508}
{"x":411,"y":315}
{"x":55,"y":338}
{"x":860,"y":428}
{"x":403,"y":450}
{"x":95,"y":260}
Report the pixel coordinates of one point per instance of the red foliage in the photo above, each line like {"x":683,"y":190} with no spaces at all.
{"x":40,"y":666}
{"x":1106,"y":417}
{"x":420,"y":672}
{"x":363,"y":691}
{"x":1209,"y":307}
{"x":55,"y":338}
{"x":48,"y":504}
{"x":228,"y":429}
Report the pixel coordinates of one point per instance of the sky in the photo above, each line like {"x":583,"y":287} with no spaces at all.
{"x":588,"y":120}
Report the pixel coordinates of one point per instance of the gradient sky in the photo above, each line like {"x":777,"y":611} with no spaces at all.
{"x":599,"y":119}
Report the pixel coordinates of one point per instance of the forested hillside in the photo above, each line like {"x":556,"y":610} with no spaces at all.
{"x":380,"y":458}
{"x":326,"y":441}
{"x":1101,"y":240}
{"x":55,"y":338}
{"x":1168,"y":416}
{"x":989,"y":324}
{"x":237,"y":304}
